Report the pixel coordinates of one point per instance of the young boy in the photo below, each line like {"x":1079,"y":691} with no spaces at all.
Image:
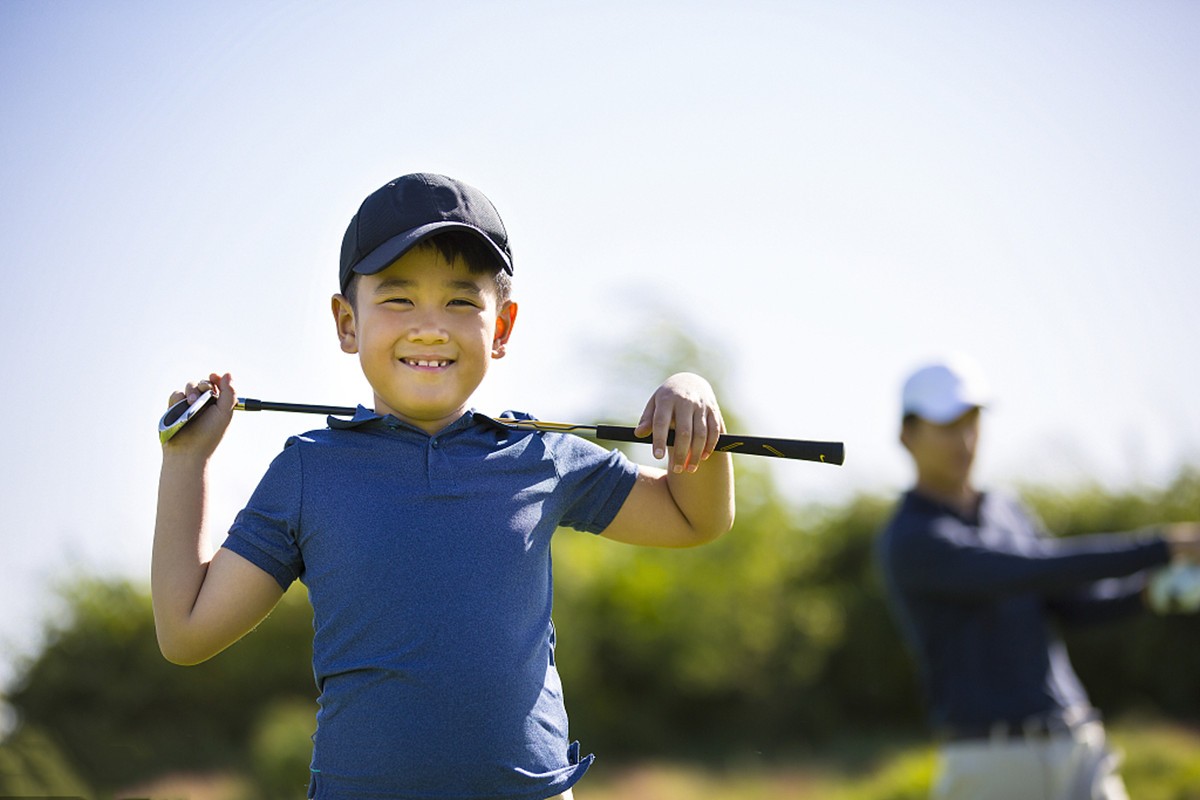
{"x":422,"y":529}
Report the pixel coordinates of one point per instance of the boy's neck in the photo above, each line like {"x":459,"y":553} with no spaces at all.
{"x":431,"y":427}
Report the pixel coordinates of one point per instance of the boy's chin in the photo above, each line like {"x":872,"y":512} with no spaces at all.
{"x":421,"y":415}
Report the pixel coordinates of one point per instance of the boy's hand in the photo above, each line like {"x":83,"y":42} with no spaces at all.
{"x":686,"y":403}
{"x":203,"y":433}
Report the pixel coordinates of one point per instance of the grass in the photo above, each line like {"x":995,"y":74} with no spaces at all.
{"x":894,"y":775}
{"x":1162,"y":762}
{"x":185,"y":786}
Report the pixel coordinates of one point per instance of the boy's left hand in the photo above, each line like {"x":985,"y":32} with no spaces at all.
{"x":686,"y":403}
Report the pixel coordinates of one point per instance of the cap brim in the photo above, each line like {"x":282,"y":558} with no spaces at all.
{"x":381,"y":257}
{"x":946,"y":414}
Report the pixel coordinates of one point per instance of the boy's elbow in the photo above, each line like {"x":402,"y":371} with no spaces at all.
{"x":715,"y":518}
{"x":180,"y":660}
{"x":181,"y":652}
{"x":713,"y":528}
{"x":179,"y":656}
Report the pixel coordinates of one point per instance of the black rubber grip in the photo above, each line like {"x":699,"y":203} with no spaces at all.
{"x":802,"y":450}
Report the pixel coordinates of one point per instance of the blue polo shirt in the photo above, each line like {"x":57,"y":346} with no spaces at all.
{"x":979,"y":596}
{"x":427,"y":562}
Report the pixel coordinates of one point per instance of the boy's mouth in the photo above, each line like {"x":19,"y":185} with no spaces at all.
{"x":427,"y":363}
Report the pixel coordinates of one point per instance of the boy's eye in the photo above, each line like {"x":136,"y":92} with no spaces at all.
{"x":457,"y":302}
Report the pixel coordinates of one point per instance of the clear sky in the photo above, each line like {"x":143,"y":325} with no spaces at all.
{"x":826,"y":194}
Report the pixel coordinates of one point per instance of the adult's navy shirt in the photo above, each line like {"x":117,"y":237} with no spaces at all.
{"x":978,"y":597}
{"x":427,"y":562}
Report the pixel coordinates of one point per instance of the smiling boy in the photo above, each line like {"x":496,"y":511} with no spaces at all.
{"x":422,"y":529}
{"x":423,"y":329}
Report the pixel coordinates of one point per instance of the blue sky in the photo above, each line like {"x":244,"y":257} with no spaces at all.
{"x":826,"y":194}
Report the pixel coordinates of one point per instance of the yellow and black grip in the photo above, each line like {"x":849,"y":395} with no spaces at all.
{"x":799,"y":449}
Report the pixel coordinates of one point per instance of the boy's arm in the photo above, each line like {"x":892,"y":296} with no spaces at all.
{"x":687,"y":504}
{"x":202,"y":603}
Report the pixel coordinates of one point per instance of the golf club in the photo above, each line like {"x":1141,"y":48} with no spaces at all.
{"x":822,"y":452}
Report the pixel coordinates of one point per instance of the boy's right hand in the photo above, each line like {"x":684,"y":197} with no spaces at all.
{"x":204,"y":432}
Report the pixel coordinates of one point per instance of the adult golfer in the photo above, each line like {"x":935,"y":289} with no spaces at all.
{"x":977,"y":587}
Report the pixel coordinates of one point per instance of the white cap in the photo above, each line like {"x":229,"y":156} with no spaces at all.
{"x":943,"y":391}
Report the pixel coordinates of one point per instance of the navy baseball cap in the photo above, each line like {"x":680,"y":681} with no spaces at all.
{"x":397,"y":216}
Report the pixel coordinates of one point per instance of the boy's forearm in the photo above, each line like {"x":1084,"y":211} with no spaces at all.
{"x":181,"y":550}
{"x":706,"y":497}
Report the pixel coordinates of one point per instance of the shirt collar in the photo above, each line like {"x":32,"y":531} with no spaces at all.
{"x":362,"y":415}
{"x":367,"y":419}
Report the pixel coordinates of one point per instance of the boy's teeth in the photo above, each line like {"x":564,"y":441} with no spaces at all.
{"x":424,"y":363}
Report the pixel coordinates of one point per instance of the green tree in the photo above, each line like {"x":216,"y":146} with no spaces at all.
{"x":33,"y":765}
{"x":281,"y":749}
{"x":122,"y":714}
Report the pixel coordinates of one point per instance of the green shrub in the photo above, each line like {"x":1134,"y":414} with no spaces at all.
{"x":773,"y":638}
{"x":122,"y":714}
{"x":281,"y":748}
{"x":33,"y":765}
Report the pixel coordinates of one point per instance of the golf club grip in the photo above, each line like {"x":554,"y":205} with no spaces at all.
{"x":823,"y":452}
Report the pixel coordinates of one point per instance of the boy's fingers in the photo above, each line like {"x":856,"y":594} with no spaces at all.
{"x":194,"y":390}
{"x":696,"y":420}
{"x":702,"y":439}
{"x":685,"y":431}
{"x":663,"y":412}
{"x":645,"y":423}
{"x":650,"y":425}
{"x":713,"y":430}
{"x":226,"y":396}
{"x":222,"y":388}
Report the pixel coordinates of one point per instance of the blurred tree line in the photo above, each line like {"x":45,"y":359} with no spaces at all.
{"x":773,"y":638}
{"x":770,"y":639}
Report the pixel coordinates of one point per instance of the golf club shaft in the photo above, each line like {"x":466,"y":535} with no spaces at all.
{"x":774,"y":447}
{"x":250,"y":404}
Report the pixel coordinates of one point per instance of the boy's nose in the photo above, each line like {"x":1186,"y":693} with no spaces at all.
{"x":427,"y":330}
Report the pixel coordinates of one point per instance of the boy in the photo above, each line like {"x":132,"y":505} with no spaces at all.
{"x":421,"y":529}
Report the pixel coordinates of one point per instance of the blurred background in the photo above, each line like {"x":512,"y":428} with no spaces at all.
{"x":801,"y":201}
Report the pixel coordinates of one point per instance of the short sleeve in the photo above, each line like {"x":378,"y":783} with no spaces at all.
{"x":597,"y":482}
{"x":266,"y":531}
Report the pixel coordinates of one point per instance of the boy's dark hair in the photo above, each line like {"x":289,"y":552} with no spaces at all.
{"x":475,"y":255}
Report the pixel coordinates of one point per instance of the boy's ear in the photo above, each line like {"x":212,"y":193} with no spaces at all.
{"x":506,"y":317}
{"x":343,"y":316}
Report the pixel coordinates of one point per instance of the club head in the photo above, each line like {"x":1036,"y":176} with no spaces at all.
{"x":178,"y":415}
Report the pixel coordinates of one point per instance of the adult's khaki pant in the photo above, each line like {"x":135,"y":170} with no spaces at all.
{"x":1069,"y":766}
